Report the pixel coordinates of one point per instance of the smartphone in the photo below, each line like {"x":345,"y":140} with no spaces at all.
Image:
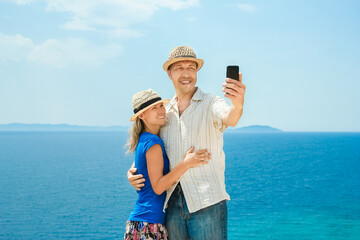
{"x":232,"y":72}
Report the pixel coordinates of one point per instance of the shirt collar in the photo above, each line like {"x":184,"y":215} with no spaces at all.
{"x":198,"y":96}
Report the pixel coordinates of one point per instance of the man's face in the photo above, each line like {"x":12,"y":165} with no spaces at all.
{"x":183,"y":75}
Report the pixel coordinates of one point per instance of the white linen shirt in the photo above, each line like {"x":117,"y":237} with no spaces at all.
{"x":200,"y":125}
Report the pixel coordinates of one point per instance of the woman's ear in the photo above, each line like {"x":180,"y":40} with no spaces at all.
{"x":141,"y":116}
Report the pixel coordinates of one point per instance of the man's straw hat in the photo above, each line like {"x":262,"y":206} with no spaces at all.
{"x":184,"y":53}
{"x":142,"y":101}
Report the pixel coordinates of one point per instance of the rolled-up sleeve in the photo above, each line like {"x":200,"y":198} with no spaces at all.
{"x":218,"y":108}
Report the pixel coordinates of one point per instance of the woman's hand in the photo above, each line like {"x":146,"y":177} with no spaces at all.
{"x":195,"y":159}
{"x":155,"y":165}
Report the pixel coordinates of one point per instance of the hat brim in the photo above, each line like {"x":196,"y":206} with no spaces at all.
{"x":164,"y":101}
{"x":199,"y":62}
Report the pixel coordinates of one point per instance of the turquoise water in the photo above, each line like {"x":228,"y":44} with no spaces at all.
{"x":294,"y":186}
{"x":282,"y":185}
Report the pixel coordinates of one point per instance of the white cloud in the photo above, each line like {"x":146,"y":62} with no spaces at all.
{"x":177,"y":4}
{"x":58,"y":53}
{"x":246,"y":7}
{"x":121,"y":33}
{"x":112,"y":17}
{"x":71,"y":52}
{"x":77,"y":24}
{"x":14,"y":48}
{"x":23,"y":2}
{"x":19,"y":2}
{"x":192,"y":19}
{"x":108,"y":16}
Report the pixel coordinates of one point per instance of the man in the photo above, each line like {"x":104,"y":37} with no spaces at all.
{"x":197,"y":204}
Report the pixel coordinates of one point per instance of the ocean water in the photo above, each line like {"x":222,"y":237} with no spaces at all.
{"x":73,"y":185}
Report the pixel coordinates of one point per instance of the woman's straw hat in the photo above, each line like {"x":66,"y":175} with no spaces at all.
{"x":184,"y":53}
{"x":142,"y":101}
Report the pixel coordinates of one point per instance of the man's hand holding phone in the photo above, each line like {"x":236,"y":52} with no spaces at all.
{"x":233,"y":87}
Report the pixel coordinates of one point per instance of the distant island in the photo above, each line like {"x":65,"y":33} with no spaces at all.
{"x":255,"y":129}
{"x":77,"y":128}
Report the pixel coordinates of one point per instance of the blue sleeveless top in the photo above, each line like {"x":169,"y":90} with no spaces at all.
{"x":149,"y":205}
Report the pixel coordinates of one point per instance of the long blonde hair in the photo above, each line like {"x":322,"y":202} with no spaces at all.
{"x":134,"y":135}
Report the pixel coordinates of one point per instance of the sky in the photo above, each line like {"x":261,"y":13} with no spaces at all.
{"x":80,"y":62}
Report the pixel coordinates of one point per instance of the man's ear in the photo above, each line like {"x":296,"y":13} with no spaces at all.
{"x":169,"y":71}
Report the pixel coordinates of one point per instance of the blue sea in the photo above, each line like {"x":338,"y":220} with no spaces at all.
{"x":73,"y":185}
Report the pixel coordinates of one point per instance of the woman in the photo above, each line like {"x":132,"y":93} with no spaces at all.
{"x":148,"y":218}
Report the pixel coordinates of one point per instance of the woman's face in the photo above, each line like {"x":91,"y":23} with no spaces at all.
{"x":154,"y":116}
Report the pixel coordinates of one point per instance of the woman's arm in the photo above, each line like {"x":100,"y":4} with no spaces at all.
{"x":155,"y":165}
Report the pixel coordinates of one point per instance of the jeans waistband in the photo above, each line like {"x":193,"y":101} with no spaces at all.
{"x":178,"y":188}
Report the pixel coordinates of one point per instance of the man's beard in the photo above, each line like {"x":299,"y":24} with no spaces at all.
{"x":191,"y":82}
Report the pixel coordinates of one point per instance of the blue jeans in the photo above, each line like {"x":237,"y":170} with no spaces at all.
{"x":209,"y":223}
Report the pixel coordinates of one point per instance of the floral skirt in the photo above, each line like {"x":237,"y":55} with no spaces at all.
{"x":143,"y":230}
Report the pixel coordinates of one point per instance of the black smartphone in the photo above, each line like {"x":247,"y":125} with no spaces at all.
{"x":232,"y":72}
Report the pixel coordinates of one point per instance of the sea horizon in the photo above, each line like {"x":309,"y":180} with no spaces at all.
{"x":58,"y":127}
